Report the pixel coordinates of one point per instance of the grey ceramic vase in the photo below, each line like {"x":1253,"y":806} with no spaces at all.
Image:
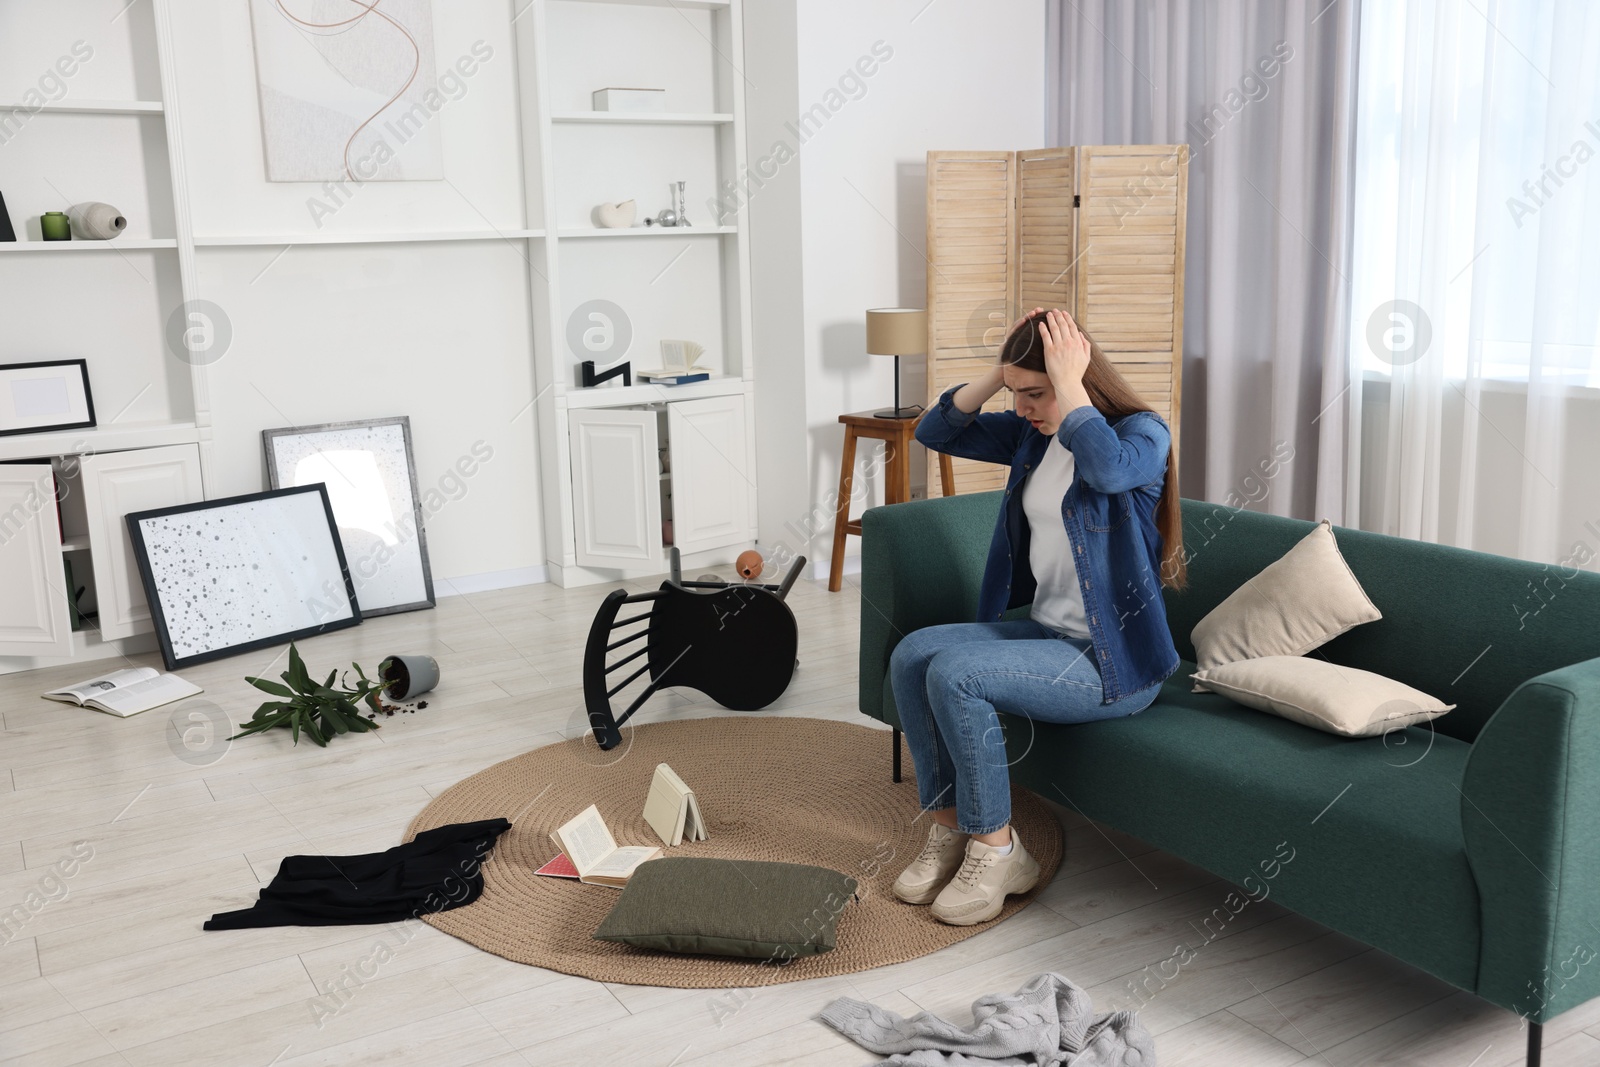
{"x":409,"y":676}
{"x":96,"y":222}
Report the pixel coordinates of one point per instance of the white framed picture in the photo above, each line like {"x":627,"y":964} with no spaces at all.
{"x":372,"y":486}
{"x":239,"y":573}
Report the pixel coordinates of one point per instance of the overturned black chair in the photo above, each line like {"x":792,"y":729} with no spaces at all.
{"x":734,"y":642}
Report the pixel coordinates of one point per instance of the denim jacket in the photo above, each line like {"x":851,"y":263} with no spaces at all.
{"x":1109,"y":514}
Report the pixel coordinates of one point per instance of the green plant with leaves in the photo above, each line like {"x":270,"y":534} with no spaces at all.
{"x":317,"y":708}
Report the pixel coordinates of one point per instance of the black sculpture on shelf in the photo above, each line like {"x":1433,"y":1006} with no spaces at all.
{"x":734,"y":642}
{"x":625,"y":368}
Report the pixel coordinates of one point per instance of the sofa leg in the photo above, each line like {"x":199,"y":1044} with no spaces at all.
{"x":897,"y":753}
{"x":1535,"y":1043}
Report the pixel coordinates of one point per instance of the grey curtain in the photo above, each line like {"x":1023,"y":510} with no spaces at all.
{"x":1263,"y":92}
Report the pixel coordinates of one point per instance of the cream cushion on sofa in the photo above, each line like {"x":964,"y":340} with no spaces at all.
{"x":1322,"y":695}
{"x":1300,"y":601}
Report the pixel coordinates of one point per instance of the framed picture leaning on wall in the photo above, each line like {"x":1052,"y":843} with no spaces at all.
{"x":240,"y":573}
{"x":372,"y":485}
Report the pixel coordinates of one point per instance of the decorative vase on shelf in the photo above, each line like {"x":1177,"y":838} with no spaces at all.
{"x":6,"y":232}
{"x":674,"y":215}
{"x":96,"y":222}
{"x":617,"y":216}
{"x":54,"y":226}
{"x":679,"y":205}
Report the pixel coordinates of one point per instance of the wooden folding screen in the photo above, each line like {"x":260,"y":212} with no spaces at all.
{"x":1098,"y":230}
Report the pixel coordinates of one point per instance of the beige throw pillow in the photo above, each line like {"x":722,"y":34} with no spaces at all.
{"x":1297,"y":603}
{"x":1323,"y":695}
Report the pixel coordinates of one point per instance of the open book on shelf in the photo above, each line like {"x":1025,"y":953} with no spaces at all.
{"x":595,"y":854}
{"x":126,"y":692}
{"x":680,"y":365}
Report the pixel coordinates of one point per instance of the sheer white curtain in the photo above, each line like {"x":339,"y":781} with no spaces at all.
{"x":1263,"y":92}
{"x":1475,"y":311}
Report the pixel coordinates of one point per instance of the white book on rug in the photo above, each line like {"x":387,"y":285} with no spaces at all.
{"x":672,"y":810}
{"x":126,"y":692}
{"x":595,"y":853}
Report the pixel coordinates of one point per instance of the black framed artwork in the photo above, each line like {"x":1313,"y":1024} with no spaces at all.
{"x":46,"y":395}
{"x":240,"y":573}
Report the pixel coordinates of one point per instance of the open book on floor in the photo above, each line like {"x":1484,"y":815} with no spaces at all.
{"x":671,"y":809}
{"x":126,"y":692}
{"x":595,"y":854}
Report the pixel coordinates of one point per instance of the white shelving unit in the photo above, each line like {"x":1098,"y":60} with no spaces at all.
{"x":278,"y":240}
{"x":90,"y":107}
{"x":606,"y":499}
{"x":647,"y":231}
{"x":601,"y":512}
{"x":640,"y":118}
{"x":119,"y":245}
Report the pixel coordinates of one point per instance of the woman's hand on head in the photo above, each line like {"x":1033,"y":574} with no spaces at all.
{"x":1066,"y":351}
{"x":1018,"y":324}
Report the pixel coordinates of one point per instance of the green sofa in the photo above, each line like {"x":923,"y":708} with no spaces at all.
{"x":1470,"y":849}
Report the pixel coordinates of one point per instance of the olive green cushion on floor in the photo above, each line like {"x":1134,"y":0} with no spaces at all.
{"x":1466,"y":846}
{"x":725,"y":907}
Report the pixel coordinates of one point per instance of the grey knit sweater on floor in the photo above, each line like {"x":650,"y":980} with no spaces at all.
{"x":1046,"y":1023}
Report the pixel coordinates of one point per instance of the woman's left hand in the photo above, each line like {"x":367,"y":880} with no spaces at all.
{"x":1066,"y":350}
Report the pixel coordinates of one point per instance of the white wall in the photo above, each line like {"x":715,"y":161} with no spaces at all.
{"x":438,"y":331}
{"x":442,"y":332}
{"x":946,"y":75}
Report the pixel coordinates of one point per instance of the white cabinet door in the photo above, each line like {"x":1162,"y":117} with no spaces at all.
{"x":115,"y":484}
{"x":710,"y":475}
{"x":34,"y":617}
{"x":616,"y":488}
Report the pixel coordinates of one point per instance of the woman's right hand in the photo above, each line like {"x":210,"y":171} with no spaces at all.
{"x":973,"y":395}
{"x":1020,"y":321}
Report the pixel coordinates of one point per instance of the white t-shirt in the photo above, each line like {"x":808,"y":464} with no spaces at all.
{"x":1058,"y":603}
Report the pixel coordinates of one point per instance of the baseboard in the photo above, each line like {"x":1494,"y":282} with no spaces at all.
{"x":483,"y":583}
{"x":821,"y":569}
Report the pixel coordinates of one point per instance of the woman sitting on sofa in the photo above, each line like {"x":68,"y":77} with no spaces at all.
{"x":1089,"y":532}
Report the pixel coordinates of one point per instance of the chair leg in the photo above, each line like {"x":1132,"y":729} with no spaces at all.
{"x":1535,"y":1043}
{"x":897,"y":753}
{"x":947,"y":475}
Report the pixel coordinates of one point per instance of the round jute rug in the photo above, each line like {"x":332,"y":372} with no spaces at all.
{"x":796,"y":790}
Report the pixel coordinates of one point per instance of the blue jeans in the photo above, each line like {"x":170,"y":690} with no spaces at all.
{"x":949,"y":682}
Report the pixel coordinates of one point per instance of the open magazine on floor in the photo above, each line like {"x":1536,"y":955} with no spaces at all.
{"x":126,"y":692}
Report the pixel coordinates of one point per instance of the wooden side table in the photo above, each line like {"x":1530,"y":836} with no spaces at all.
{"x":896,"y":435}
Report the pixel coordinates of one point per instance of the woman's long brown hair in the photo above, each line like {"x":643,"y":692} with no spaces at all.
{"x":1114,"y":398}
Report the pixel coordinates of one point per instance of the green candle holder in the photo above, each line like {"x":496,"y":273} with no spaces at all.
{"x":55,"y":226}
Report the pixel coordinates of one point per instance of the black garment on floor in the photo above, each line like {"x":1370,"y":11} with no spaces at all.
{"x":437,"y":871}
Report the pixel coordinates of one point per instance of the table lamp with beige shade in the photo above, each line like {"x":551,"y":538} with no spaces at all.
{"x":897,"y":332}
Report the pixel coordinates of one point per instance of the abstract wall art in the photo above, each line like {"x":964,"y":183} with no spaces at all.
{"x":239,"y":573}
{"x":347,"y":90}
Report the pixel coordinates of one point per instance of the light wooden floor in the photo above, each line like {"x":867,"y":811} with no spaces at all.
{"x":113,"y":968}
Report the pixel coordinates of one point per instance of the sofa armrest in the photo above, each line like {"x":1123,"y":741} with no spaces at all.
{"x":921,"y":564}
{"x":1530,"y":816}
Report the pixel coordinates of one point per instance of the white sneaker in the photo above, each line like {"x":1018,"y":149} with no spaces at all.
{"x":979,"y":888}
{"x":941,"y":855}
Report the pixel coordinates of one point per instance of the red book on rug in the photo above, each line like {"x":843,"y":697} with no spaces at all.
{"x":560,"y":867}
